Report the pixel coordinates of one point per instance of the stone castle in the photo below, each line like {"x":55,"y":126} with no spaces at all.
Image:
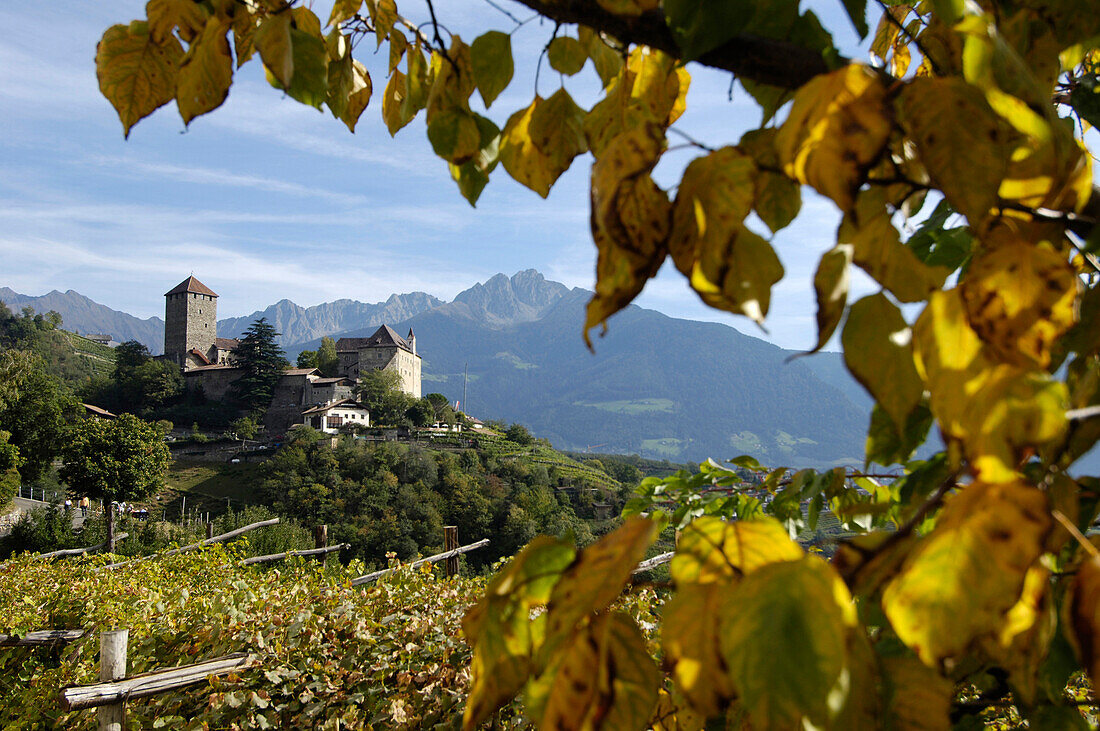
{"x":208,"y":362}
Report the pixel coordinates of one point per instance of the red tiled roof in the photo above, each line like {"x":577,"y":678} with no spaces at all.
{"x":191,"y":285}
{"x":200,"y":355}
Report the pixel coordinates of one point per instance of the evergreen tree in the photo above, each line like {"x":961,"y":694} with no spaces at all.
{"x":262,"y":361}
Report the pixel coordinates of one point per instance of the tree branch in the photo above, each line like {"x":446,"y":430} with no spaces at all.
{"x":764,"y":60}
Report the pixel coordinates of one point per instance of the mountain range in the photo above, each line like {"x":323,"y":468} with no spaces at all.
{"x":510,"y":348}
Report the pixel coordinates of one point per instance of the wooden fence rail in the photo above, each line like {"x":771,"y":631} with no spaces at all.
{"x":77,"y":697}
{"x":77,"y":551}
{"x":654,"y":562}
{"x":288,"y":554}
{"x":193,"y":546}
{"x":430,"y":559}
{"x":42,"y":638}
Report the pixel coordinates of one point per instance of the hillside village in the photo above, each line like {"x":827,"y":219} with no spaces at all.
{"x":210,"y":366}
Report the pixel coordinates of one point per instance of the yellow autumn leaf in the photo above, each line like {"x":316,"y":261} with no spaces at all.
{"x":968,"y":164}
{"x":358,"y":95}
{"x":1021,"y":641}
{"x":837,"y":128}
{"x":879,"y":353}
{"x":523,"y":159}
{"x":689,"y":637}
{"x":244,"y":35}
{"x":452,"y":81}
{"x":343,"y":10}
{"x":714,"y":550}
{"x":715,"y":195}
{"x":164,"y":16}
{"x":831,"y":282}
{"x":598,"y":575}
{"x":918,"y":698}
{"x":602,"y":679}
{"x":658,"y":84}
{"x":627,"y":205}
{"x":557,"y":127}
{"x":501,"y":629}
{"x":961,"y":580}
{"x":394,"y":111}
{"x":1000,"y":413}
{"x":737,"y":275}
{"x":1020,"y":298}
{"x":272,"y":40}
{"x":620,"y":276}
{"x":136,"y":74}
{"x":877,"y":249}
{"x":205,"y":73}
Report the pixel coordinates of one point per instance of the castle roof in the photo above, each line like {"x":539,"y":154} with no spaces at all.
{"x":383,"y":337}
{"x":226,"y":343}
{"x":347,"y":403}
{"x":191,"y":285}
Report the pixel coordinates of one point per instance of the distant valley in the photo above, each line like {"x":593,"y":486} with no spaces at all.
{"x":657,"y":386}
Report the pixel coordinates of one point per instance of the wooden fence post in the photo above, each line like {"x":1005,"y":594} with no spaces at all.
{"x":320,"y":540}
{"x":450,"y":543}
{"x":209,"y":530}
{"x":112,"y":666}
{"x":111,"y":528}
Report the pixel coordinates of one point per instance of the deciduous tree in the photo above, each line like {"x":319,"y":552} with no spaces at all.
{"x":970,"y":558}
{"x":114,"y":459}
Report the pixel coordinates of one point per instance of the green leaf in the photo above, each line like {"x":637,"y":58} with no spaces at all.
{"x":309,"y":83}
{"x":879,"y":353}
{"x":857,"y":11}
{"x":272,"y":40}
{"x":136,"y":74}
{"x":783,"y":639}
{"x":566,"y":55}
{"x":557,"y":127}
{"x":205,"y":73}
{"x":473,"y":175}
{"x":491,"y":59}
{"x":703,"y":25}
{"x":831,"y":283}
{"x":454,"y":135}
{"x":887,"y":445}
{"x":1085,"y":99}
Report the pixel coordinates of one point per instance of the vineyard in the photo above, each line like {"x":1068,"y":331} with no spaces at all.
{"x":323,"y":654}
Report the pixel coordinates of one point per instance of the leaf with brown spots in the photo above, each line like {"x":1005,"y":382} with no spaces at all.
{"x":837,"y":128}
{"x":602,"y":678}
{"x":960,"y":581}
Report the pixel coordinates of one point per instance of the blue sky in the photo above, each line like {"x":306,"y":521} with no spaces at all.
{"x":267,"y":199}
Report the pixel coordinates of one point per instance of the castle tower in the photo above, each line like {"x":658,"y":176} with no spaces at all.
{"x":190,"y":319}
{"x":411,"y":340}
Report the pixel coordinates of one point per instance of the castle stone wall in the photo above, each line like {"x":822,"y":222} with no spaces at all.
{"x":190,"y":321}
